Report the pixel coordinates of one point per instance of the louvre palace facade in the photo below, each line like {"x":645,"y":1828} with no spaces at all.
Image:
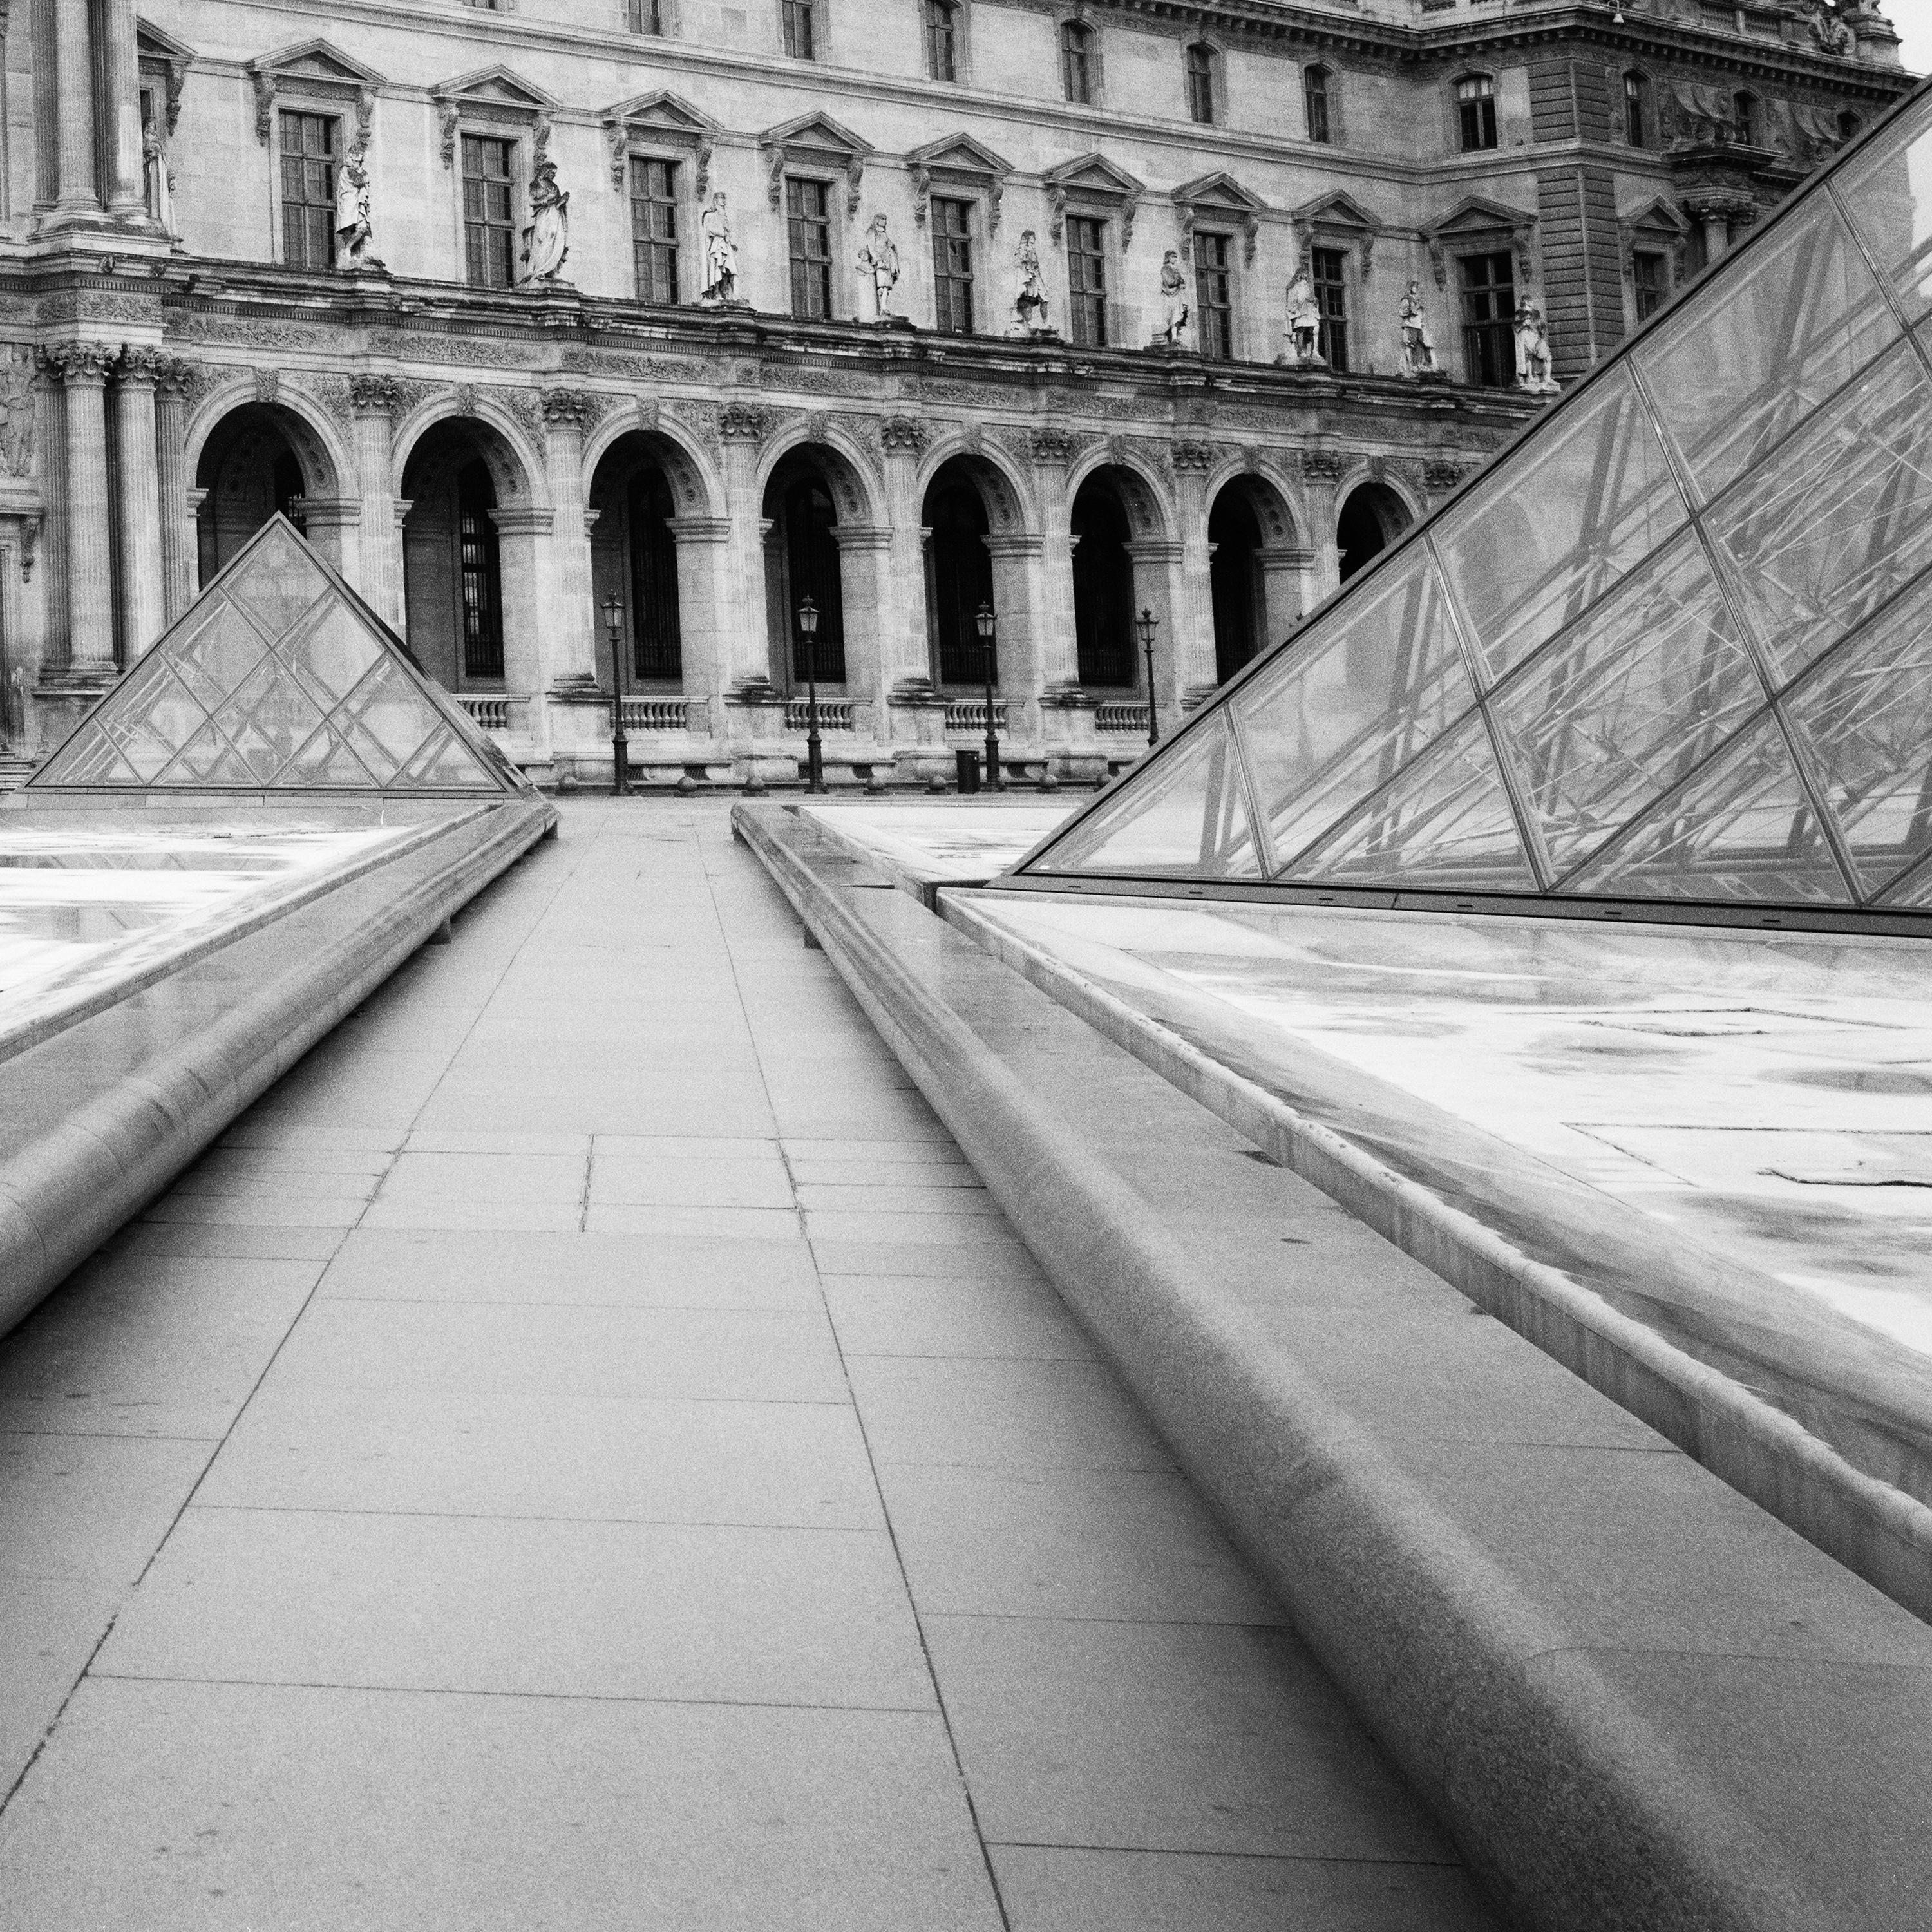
{"x":592,"y":338}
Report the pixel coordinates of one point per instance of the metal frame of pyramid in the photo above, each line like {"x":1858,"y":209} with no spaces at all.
{"x":279,"y":680}
{"x":1668,"y":656}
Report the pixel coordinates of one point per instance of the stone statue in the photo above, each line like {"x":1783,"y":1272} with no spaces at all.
{"x":1532,"y":352}
{"x":160,"y":191}
{"x":1174,"y":313}
{"x":547,"y":236}
{"x":1030,"y":316}
{"x":17,"y":413}
{"x":1301,"y":335}
{"x":720,"y":255}
{"x":1832,"y":31}
{"x":1418,"y":350}
{"x":879,"y":263}
{"x":352,"y":230}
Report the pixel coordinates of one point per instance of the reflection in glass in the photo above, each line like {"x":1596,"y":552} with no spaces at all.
{"x":1193,"y":821}
{"x":1731,"y":376}
{"x":1626,"y":702}
{"x":1887,"y":191}
{"x":1865,"y":721}
{"x":1823,"y":533}
{"x":1445,"y":821}
{"x":1327,"y":722}
{"x":1549,"y":535}
{"x":1742,"y":829}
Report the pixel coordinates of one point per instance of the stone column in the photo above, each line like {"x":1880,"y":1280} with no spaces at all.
{"x":126,"y":197}
{"x":1020,"y":648}
{"x":333,"y":524}
{"x":143,"y":586}
{"x":865,"y":571}
{"x":569,"y":633}
{"x":1159,"y":586}
{"x":82,"y":368}
{"x":903,"y":652}
{"x":379,"y":572}
{"x":1287,"y":590}
{"x":73,"y":69}
{"x":1322,"y":470}
{"x":178,"y":544}
{"x":520,"y":533}
{"x":1194,"y":616}
{"x":1059,"y":658}
{"x":703,"y":547}
{"x":46,"y":34}
{"x":745,"y":629}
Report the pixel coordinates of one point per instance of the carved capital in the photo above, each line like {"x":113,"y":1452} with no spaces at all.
{"x":902,"y":434}
{"x":138,"y":363}
{"x":1052,"y":445}
{"x":570,"y":409}
{"x":73,"y":362}
{"x":739,"y":422}
{"x":1199,"y":456}
{"x":174,"y":377}
{"x":374,"y":395}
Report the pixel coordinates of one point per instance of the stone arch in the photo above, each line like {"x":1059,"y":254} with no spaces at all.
{"x":1120,"y":533}
{"x":818,"y":507}
{"x":1010,"y":509}
{"x":516,"y":464}
{"x":250,"y":457}
{"x":693,"y":480}
{"x":648,"y":513}
{"x":1150,"y":512}
{"x":1371,"y":512}
{"x":855,"y":491}
{"x":1258,"y":566}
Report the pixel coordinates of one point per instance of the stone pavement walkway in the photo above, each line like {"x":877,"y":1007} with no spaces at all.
{"x":585,"y":1452}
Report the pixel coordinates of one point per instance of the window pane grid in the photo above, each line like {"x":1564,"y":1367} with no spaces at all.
{"x":1331,"y":297}
{"x":654,"y":228}
{"x":1075,"y":62}
{"x":1086,"y":279}
{"x":808,"y":228}
{"x":1214,"y":296}
{"x":953,"y":265}
{"x":308,"y":189}
{"x":800,"y":42}
{"x":1315,"y":103}
{"x":489,"y":211}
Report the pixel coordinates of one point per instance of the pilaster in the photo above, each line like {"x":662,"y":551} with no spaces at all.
{"x":1058,"y":654}
{"x":178,"y":545}
{"x":568,"y":629}
{"x":82,"y":367}
{"x":79,"y":200}
{"x":1194,"y":613}
{"x":142,"y":581}
{"x":904,"y":649}
{"x":744,"y":625}
{"x":1160,"y":587}
{"x":127,"y":200}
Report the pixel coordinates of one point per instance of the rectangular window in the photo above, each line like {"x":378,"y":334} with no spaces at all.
{"x":795,"y":17}
{"x":942,"y":39}
{"x":489,"y":211}
{"x":647,"y":16}
{"x":1489,"y":312}
{"x":953,"y":265}
{"x":1476,"y":112}
{"x":481,"y":576}
{"x":1201,"y":85}
{"x":1634,"y":129}
{"x":308,"y":191}
{"x":1086,"y":279}
{"x":1652,"y":290}
{"x":1076,"y":65}
{"x":1330,"y":280}
{"x":1315,"y":103}
{"x":1214,"y":296}
{"x":654,"y":228}
{"x":808,"y":226}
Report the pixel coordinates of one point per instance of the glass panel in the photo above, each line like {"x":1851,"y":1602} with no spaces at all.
{"x":1557,"y":527}
{"x":1914,"y":890}
{"x":1734,"y":374}
{"x":1622,"y":706}
{"x":220,"y":653}
{"x":207,"y":759}
{"x":90,"y":758}
{"x":1840,"y":519}
{"x":1865,"y":723}
{"x":1189,"y":819}
{"x":1446,"y":821}
{"x":1888,"y":191}
{"x":277,"y":580}
{"x":388,"y":705}
{"x":1743,"y":829}
{"x":1338,"y":712}
{"x":326,"y":760}
{"x":443,"y":764}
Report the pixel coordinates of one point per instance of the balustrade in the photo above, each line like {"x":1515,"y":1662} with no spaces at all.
{"x":835,"y":714}
{"x":1111,"y":716}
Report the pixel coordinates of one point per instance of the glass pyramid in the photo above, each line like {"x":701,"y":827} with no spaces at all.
{"x":1674,"y":645}
{"x":278,"y":678}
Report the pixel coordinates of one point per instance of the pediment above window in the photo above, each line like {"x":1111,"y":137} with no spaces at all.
{"x":1659,"y":227}
{"x":957,"y":159}
{"x":498,"y":93}
{"x":316,"y":67}
{"x":1339,"y":221}
{"x":814,"y":141}
{"x":1094,"y":180}
{"x":1219,"y":197}
{"x":661,"y":116}
{"x":1476,"y":220}
{"x":163,"y":54}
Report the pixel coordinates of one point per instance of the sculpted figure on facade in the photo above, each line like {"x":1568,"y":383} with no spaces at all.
{"x":160,"y":190}
{"x":1301,"y":333}
{"x":1832,"y":31}
{"x":1418,"y":347}
{"x":879,"y":263}
{"x":1030,"y":313}
{"x":720,"y":255}
{"x":17,"y":413}
{"x":547,"y":236}
{"x":1532,"y":353}
{"x":353,"y":231}
{"x":1174,"y":312}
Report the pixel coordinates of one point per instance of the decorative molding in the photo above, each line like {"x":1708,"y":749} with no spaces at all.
{"x":1092,"y":178}
{"x":497,"y":91}
{"x":813,"y":140}
{"x":569,"y":408}
{"x":1339,"y":217}
{"x":1476,"y":219}
{"x":902,"y":435}
{"x":1208,"y":195}
{"x":661,"y":116}
{"x":957,"y":159}
{"x":743,"y":422}
{"x":1194,"y":456}
{"x":1052,"y":445}
{"x":315,"y":65}
{"x":72,"y":362}
{"x":374,"y":395}
{"x":172,"y":57}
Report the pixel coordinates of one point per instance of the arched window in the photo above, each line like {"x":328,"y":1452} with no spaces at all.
{"x":1636,"y":110}
{"x":942,"y":39}
{"x":1076,"y":61}
{"x":1201,"y":83}
{"x":1316,"y":84}
{"x":1849,"y":125}
{"x":1476,"y":112}
{"x":1744,"y":109}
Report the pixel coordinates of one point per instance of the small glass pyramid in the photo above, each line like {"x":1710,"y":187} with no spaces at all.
{"x":278,"y":678}
{"x":1675,"y":645}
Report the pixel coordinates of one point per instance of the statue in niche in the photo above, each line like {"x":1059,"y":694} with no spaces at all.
{"x":1532,"y":352}
{"x":1418,"y":348}
{"x":720,"y":255}
{"x":16,"y":414}
{"x":1301,"y":333}
{"x":1175,"y":313}
{"x":546,"y":235}
{"x":353,"y":232}
{"x":160,"y":189}
{"x":1030,"y":315}
{"x":879,"y":263}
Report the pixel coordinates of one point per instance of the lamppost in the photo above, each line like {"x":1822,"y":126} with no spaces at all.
{"x":814,"y":756}
{"x":984,"y":620}
{"x":620,"y":746}
{"x":1149,"y":623}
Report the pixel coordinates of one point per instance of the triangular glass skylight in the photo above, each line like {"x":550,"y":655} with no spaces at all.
{"x":278,"y":678}
{"x":1675,"y":645}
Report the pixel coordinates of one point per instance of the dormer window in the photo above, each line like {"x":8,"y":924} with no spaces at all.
{"x":1314,"y":114}
{"x":1201,"y":83}
{"x":1476,"y":112}
{"x":1076,"y":61}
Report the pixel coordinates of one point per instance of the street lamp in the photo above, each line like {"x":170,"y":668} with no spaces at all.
{"x":620,"y":746}
{"x":814,"y":756}
{"x":1149,"y":624}
{"x":984,"y":620}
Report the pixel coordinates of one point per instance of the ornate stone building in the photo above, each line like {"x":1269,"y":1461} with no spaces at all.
{"x":1069,"y":310}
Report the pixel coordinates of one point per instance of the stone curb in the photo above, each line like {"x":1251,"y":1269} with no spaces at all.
{"x":1584,"y":1807}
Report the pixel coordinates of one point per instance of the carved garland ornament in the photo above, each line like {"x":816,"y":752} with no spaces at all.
{"x":902,"y":435}
{"x":739,"y":422}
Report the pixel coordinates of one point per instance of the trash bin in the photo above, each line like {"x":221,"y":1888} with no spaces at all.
{"x":969,"y":770}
